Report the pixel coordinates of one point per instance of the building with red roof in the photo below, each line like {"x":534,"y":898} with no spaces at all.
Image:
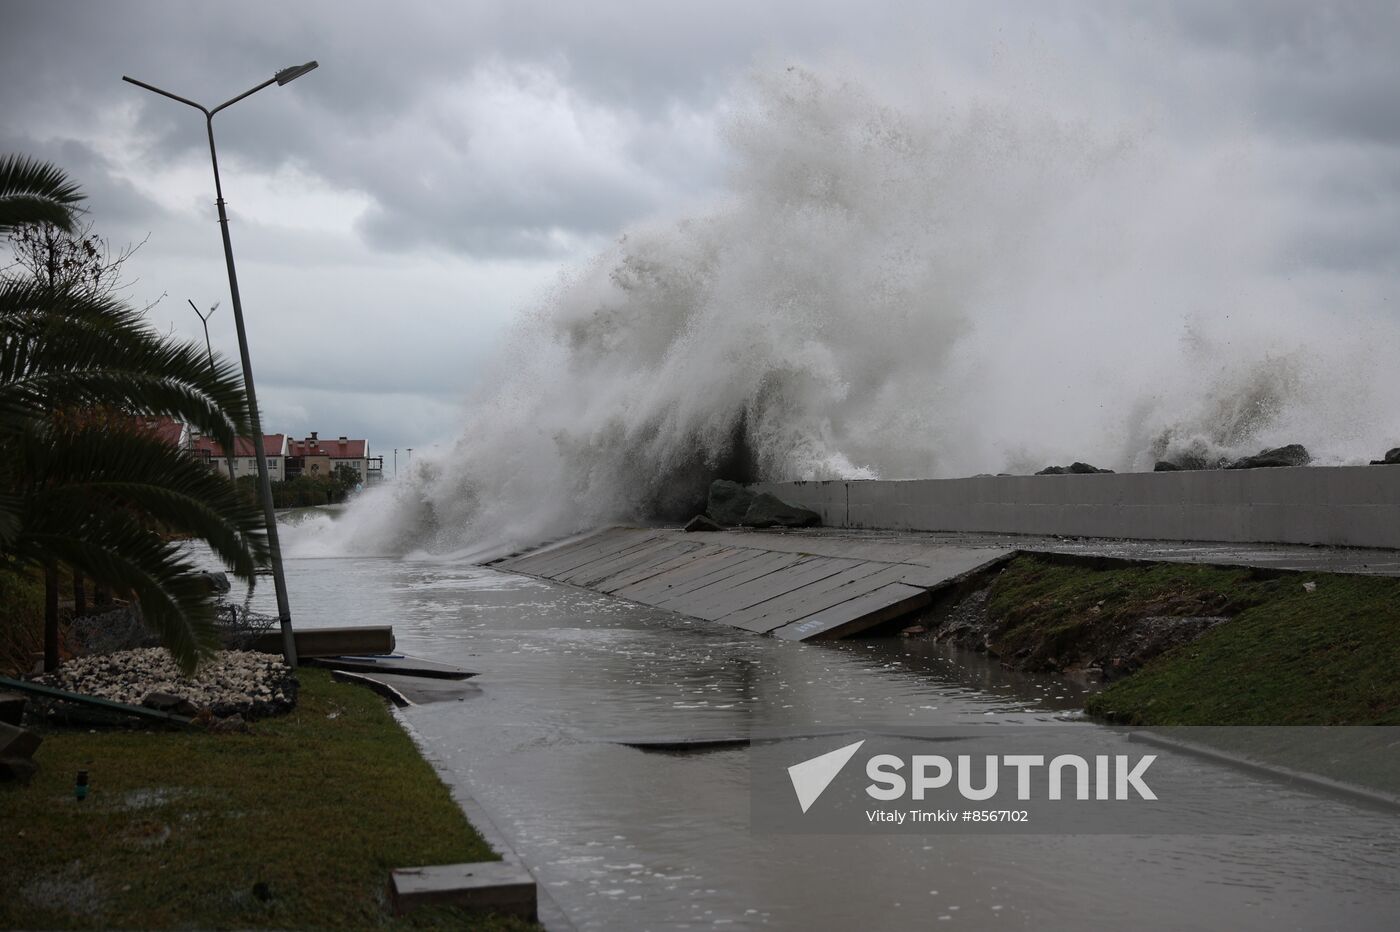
{"x":313,"y":456}
{"x":244,"y":460}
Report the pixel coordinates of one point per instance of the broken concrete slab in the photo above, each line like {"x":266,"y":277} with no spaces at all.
{"x":331,"y":642}
{"x":760,"y":582}
{"x":18,"y":742}
{"x":886,"y":603}
{"x":503,"y":887}
{"x":399,"y":666}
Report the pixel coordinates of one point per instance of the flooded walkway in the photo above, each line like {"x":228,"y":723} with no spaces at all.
{"x":627,"y":839}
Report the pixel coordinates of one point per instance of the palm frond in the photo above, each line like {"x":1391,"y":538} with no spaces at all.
{"x":32,"y":191}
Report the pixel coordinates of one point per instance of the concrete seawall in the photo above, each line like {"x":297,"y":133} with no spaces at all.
{"x":1348,"y":506}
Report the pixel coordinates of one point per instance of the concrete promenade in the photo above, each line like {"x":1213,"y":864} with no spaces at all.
{"x":831,"y":583}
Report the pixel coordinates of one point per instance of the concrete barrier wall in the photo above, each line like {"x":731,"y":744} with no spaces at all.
{"x":1352,"y":506}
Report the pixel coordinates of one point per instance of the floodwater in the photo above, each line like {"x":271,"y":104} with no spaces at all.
{"x":625,"y":839}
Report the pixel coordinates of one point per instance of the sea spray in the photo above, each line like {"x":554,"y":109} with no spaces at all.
{"x":899,"y":292}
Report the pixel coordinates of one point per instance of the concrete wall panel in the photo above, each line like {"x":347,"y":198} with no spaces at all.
{"x":1354,"y":506}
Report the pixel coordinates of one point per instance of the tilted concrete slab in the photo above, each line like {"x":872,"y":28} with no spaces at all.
{"x":794,"y":586}
{"x":502,"y":887}
{"x":707,"y":564}
{"x":884,"y":604}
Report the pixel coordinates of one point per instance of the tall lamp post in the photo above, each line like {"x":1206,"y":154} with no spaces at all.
{"x":284,"y":611}
{"x":209,"y":348}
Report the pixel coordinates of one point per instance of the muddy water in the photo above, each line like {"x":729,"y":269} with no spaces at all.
{"x":625,"y":839}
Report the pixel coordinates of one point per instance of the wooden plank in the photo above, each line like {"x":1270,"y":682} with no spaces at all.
{"x":886,"y":603}
{"x":676,"y":558}
{"x":857,"y":581}
{"x":772,"y":586}
{"x":657,"y":587}
{"x":695,"y":600}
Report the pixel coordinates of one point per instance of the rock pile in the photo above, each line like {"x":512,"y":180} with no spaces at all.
{"x":1075,"y":469}
{"x":1292,"y":454}
{"x":731,"y":503}
{"x":231,"y":683}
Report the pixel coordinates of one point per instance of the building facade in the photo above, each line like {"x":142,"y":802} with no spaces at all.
{"x":245,"y":463}
{"x":319,"y":458}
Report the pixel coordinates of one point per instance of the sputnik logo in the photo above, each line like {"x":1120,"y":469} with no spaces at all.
{"x":811,"y":777}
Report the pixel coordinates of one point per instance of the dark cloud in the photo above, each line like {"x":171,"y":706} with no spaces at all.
{"x":507,"y":131}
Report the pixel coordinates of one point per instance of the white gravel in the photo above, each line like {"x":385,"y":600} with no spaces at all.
{"x":231,"y":681}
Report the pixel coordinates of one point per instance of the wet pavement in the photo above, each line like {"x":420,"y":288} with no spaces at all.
{"x":623,"y":838}
{"x":1271,"y":556}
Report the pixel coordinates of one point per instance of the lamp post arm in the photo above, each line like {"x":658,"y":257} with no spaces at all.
{"x":247,"y":93}
{"x":151,"y":87}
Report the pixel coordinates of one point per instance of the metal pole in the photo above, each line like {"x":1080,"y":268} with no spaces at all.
{"x":209,"y":347}
{"x":396,"y":462}
{"x":284,"y":612}
{"x":279,"y":580}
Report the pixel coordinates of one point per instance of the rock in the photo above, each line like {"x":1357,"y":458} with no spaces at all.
{"x":229,"y":724}
{"x":1294,"y":454}
{"x":166,"y":702}
{"x":247,"y":682}
{"x":1392,"y":458}
{"x":1166,"y":466}
{"x":729,"y":502}
{"x":20,"y":769}
{"x":1309,"y":587}
{"x":1075,"y":468}
{"x":913,"y":631}
{"x":217,"y":582}
{"x":770,"y":511}
{"x":701,"y":523}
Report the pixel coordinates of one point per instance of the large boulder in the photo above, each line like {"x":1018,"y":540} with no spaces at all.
{"x":1294,"y":454}
{"x":1075,"y":468}
{"x":729,"y":502}
{"x":767,"y":510}
{"x":1392,"y":458}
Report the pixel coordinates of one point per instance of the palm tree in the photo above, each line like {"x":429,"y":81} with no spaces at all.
{"x":78,"y":486}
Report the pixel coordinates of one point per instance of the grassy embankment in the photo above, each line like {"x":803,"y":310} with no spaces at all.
{"x":1287,"y":656}
{"x":294,"y":825}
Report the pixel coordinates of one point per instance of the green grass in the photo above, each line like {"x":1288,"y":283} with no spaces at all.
{"x":1045,"y":608}
{"x":1328,"y":657}
{"x":179,"y":827}
{"x":1286,"y":656}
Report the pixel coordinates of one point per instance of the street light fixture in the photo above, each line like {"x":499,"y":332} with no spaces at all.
{"x":279,"y":580}
{"x":209,"y":348}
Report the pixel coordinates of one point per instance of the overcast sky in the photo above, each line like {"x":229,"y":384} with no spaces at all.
{"x":394,"y":210}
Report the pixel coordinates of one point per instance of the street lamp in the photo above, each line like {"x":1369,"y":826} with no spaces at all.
{"x":209,"y":348}
{"x":284,"y":612}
